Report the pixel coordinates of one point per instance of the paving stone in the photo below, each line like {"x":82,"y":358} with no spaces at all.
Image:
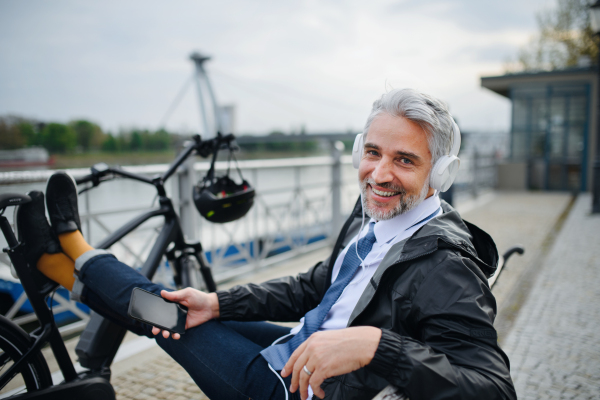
{"x":554,"y":344}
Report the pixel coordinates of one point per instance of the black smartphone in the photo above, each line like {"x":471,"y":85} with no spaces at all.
{"x":154,"y":310}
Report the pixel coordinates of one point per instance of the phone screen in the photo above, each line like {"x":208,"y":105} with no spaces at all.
{"x":154,"y":310}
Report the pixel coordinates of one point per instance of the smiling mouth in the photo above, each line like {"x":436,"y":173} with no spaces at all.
{"x":384,"y":194}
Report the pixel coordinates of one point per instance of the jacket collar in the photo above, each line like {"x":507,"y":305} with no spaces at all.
{"x":450,"y":230}
{"x":446,"y":230}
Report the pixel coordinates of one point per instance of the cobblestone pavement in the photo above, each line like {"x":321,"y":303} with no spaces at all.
{"x":554,"y":345}
{"x":512,"y":218}
{"x":525,"y":218}
{"x":163,"y":378}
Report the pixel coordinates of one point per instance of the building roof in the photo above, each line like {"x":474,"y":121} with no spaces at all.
{"x":501,"y":84}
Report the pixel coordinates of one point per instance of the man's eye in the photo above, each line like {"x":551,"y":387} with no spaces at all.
{"x":372,"y":152}
{"x":405,"y":161}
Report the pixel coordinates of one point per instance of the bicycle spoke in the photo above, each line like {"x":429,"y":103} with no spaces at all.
{"x":4,"y":358}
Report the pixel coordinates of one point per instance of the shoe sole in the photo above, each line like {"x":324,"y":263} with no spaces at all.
{"x":76,"y":192}
{"x":43,"y":283}
{"x":72,"y":180}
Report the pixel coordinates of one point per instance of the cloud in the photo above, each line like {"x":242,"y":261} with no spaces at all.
{"x":283,"y":64}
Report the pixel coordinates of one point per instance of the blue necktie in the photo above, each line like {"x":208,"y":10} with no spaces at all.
{"x":278,"y":355}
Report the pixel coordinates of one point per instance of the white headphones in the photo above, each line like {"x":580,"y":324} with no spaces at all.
{"x":443,"y":172}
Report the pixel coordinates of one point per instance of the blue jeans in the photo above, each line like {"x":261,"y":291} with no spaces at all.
{"x":223,"y":358}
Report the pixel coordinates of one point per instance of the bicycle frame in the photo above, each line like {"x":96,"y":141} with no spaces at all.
{"x":101,"y":338}
{"x":48,"y":331}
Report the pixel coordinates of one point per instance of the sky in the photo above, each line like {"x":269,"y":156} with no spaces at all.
{"x":283,"y":65}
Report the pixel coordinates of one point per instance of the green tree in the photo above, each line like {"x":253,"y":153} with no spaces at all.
{"x":109,"y":144}
{"x":10,"y":135}
{"x":564,"y":37}
{"x":277,"y":145}
{"x":31,"y":135}
{"x":135,"y":143}
{"x":89,"y":135}
{"x":159,"y":141}
{"x":58,"y":138}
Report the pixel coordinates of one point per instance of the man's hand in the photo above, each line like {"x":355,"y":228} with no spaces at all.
{"x":201,"y":306}
{"x":330,"y":353}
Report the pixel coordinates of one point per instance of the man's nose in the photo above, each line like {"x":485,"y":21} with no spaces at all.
{"x":383,"y":171}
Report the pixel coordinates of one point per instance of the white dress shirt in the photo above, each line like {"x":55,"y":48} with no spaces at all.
{"x":387,"y":233}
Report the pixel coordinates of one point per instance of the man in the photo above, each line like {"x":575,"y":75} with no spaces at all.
{"x":403,"y":300}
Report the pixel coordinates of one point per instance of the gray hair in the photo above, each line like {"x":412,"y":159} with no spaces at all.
{"x":431,"y":114}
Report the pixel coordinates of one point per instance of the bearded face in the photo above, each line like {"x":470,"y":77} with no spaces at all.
{"x":395,"y":166}
{"x":405,"y":202}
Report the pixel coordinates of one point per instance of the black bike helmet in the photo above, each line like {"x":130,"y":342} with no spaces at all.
{"x":221,"y":199}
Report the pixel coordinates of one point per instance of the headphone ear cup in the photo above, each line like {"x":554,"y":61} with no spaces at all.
{"x":357,"y":150}
{"x":444,"y":173}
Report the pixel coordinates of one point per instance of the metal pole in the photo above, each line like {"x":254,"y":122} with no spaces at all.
{"x":186,"y":179}
{"x":337,"y":149}
{"x":216,"y":109}
{"x":474,"y":166}
{"x":596,"y":182}
{"x":88,"y":227}
{"x":198,"y":60}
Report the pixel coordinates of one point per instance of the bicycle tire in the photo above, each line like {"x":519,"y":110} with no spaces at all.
{"x":190,"y":274}
{"x":14,"y":343}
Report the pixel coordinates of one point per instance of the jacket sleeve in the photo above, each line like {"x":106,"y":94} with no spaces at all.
{"x":283,"y":299}
{"x":453,"y":352}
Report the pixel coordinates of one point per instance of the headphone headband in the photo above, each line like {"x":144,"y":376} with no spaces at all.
{"x":456,"y":139}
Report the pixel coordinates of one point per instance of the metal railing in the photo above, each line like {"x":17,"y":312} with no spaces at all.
{"x":300,"y":204}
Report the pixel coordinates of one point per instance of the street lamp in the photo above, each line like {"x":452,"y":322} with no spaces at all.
{"x":595,"y":22}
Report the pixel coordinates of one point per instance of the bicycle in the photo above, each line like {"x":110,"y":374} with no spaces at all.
{"x":101,"y":338}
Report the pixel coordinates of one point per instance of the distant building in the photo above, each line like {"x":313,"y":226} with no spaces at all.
{"x":553,"y":129}
{"x":22,"y":158}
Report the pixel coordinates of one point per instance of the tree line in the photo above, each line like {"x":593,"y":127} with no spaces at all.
{"x":564,"y":37}
{"x":79,"y":136}
{"x":83,"y":136}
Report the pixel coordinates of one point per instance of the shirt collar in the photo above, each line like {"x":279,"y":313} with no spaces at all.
{"x":388,"y":229}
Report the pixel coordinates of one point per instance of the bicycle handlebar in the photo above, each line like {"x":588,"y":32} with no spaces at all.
{"x":203,"y":148}
{"x":84,"y":179}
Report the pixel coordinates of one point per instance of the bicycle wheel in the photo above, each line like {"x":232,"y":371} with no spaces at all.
{"x":14,"y":343}
{"x":190,"y":273}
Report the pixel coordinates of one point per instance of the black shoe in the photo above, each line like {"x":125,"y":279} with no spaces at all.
{"x":36,"y":235}
{"x":61,"y":201}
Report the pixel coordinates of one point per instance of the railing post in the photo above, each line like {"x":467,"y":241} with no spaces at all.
{"x":186,"y":179}
{"x":88,"y":225}
{"x":337,"y":149}
{"x":474,"y":172}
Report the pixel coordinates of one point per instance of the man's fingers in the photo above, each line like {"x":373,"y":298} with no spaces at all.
{"x":172,"y":296}
{"x":304,"y":379}
{"x":301,"y":360}
{"x":166,"y":334}
{"x":315,"y":382}
{"x":289,"y":366}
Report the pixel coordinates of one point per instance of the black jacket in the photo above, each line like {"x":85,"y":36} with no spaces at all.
{"x":431,"y":299}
